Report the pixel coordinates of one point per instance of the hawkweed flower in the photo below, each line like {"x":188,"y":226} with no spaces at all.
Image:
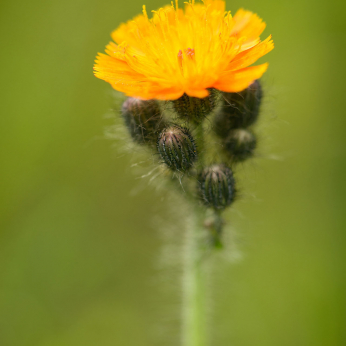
{"x":188,"y":51}
{"x":178,"y":68}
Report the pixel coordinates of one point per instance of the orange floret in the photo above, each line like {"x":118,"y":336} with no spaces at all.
{"x":189,"y":51}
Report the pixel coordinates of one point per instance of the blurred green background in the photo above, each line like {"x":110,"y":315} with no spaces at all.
{"x":79,"y":251}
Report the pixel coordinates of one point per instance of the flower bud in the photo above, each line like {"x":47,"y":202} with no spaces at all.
{"x":216,"y":186}
{"x":143,"y":119}
{"x":177,"y":148}
{"x":240,"y":144}
{"x":239,"y":109}
{"x":195,"y":109}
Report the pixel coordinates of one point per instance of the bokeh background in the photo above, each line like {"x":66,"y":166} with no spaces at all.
{"x":79,"y":250}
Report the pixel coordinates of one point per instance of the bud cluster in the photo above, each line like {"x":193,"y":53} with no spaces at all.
{"x":178,"y":139}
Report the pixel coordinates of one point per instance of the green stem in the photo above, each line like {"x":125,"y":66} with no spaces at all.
{"x":194,"y":284}
{"x":216,"y":229}
{"x":200,"y":145}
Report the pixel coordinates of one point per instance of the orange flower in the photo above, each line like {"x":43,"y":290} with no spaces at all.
{"x":189,"y":51}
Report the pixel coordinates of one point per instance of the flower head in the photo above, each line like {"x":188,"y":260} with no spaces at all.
{"x":180,"y":52}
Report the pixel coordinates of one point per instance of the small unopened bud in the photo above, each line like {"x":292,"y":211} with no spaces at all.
{"x":177,"y":148}
{"x":196,"y":109}
{"x":240,"y":110}
{"x":240,"y":144}
{"x":143,"y":119}
{"x":217,"y":186}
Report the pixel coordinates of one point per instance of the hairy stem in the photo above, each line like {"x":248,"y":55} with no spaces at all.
{"x":216,"y":229}
{"x":194,"y":283}
{"x":200,"y":145}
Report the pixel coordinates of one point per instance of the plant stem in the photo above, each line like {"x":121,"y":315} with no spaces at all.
{"x":216,"y":229}
{"x":194,"y":283}
{"x":200,"y":145}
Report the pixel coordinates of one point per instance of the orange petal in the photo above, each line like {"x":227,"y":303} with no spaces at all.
{"x":168,"y":94}
{"x":200,"y":93}
{"x":114,"y":70}
{"x":248,"y":57}
{"x":124,"y":79}
{"x":236,"y":81}
{"x":247,"y":24}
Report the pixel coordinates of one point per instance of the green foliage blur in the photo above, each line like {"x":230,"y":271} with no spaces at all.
{"x":79,"y":245}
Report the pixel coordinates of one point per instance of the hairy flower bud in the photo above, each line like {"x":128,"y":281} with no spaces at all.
{"x":240,"y":144}
{"x":240,"y":110}
{"x":177,"y":148}
{"x":216,"y":186}
{"x":143,"y":119}
{"x":195,"y":109}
